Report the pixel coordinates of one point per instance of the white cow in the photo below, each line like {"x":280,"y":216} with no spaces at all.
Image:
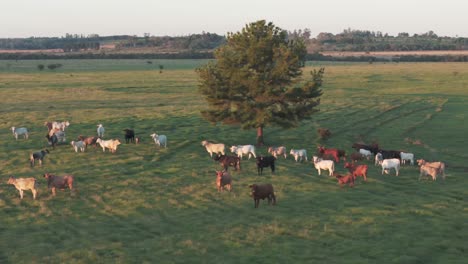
{"x":100,"y":131}
{"x":60,"y":125}
{"x":366,"y":153}
{"x":111,"y":144}
{"x":298,"y":154}
{"x":276,"y":151}
{"x":407,"y":156}
{"x":244,"y":149}
{"x":213,"y":148}
{"x":78,"y":145}
{"x":159,"y":139}
{"x":20,"y":131}
{"x":321,"y":164}
{"x":388,"y":164}
{"x":378,"y":159}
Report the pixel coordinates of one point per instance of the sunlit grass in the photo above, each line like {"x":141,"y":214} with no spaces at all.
{"x":146,"y":204}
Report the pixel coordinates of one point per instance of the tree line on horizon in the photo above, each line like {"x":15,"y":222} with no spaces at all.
{"x":348,"y":40}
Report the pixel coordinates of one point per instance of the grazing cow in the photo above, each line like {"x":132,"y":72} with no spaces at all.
{"x":335,"y":153}
{"x":357,"y":170}
{"x":298,"y":154}
{"x":407,"y":156}
{"x":223,"y":178}
{"x":52,"y":140}
{"x":378,"y":159}
{"x":159,"y":139}
{"x":426,"y":170}
{"x":88,"y":140}
{"x":100,"y":131}
{"x":374,"y":148}
{"x":264,"y":162}
{"x":111,"y":144}
{"x":262,"y":191}
{"x":355,"y":156}
{"x":366,"y":153}
{"x":440,"y":166}
{"x":321,"y":164}
{"x":390,"y":154}
{"x":129,"y":135}
{"x":226,"y":161}
{"x":60,"y":136}
{"x":39,"y":155}
{"x":213,"y":148}
{"x":388,"y":164}
{"x":276,"y":151}
{"x":244,"y":149}
{"x":78,"y":145}
{"x":22,"y":184}
{"x":60,"y":182}
{"x":60,"y":125}
{"x":346,"y":179}
{"x":20,"y":131}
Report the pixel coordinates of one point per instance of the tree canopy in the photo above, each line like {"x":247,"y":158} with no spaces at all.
{"x":256,"y":80}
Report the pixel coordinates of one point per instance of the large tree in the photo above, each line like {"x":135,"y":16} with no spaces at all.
{"x":256,"y":80}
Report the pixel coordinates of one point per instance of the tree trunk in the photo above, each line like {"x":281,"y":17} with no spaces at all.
{"x":260,"y":141}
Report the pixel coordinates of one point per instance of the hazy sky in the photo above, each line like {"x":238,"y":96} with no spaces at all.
{"x":55,"y":18}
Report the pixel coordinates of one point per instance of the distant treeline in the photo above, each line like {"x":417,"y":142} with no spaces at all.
{"x":363,"y":40}
{"x":71,"y":43}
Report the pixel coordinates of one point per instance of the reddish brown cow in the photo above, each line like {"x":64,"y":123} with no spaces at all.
{"x":223,"y":178}
{"x":335,"y":153}
{"x":262,"y":191}
{"x":88,"y":140}
{"x":60,"y":182}
{"x":347,"y":179}
{"x":357,"y":170}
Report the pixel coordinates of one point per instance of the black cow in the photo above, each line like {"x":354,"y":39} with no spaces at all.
{"x":52,"y":140}
{"x":263,"y":162}
{"x":226,"y":161}
{"x":390,"y":154}
{"x":129,"y":135}
{"x":374,"y":148}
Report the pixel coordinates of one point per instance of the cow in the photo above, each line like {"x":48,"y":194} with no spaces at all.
{"x":262,"y":191}
{"x":129,"y":135}
{"x":298,"y":154}
{"x":388,"y":164}
{"x":264,"y":162}
{"x":18,"y":131}
{"x":213,"y":148}
{"x":378,"y":159}
{"x":22,"y":184}
{"x":276,"y":151}
{"x":335,"y":153}
{"x":52,"y":140}
{"x":225,"y":161}
{"x":346,"y":179}
{"x":88,"y":140}
{"x":100,"y":131}
{"x":111,"y":144}
{"x":374,"y":148}
{"x":223,"y":178}
{"x":426,"y":170}
{"x":78,"y":145}
{"x":160,"y":140}
{"x":366,"y":153}
{"x":39,"y":155}
{"x":390,"y":154}
{"x":321,"y":164}
{"x":407,"y":156}
{"x":244,"y":150}
{"x":357,"y":170}
{"x":440,"y":166}
{"x":60,"y":182}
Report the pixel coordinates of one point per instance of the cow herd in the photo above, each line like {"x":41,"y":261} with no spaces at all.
{"x":325,"y":159}
{"x":56,"y":134}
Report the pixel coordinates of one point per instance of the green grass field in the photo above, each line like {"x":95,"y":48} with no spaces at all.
{"x":145,"y":204}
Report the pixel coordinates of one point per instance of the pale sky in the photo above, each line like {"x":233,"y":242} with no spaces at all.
{"x":55,"y":18}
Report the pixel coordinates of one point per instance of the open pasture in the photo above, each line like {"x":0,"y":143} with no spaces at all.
{"x":146,"y":204}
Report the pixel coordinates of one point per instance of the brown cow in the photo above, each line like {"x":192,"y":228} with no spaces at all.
{"x":357,"y":170}
{"x":223,"y":178}
{"x":347,"y":179}
{"x":22,"y":184}
{"x":335,"y":153}
{"x":262,"y":191}
{"x":60,"y":182}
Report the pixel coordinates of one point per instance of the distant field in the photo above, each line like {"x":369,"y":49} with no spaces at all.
{"x":145,"y":204}
{"x":396,"y":53}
